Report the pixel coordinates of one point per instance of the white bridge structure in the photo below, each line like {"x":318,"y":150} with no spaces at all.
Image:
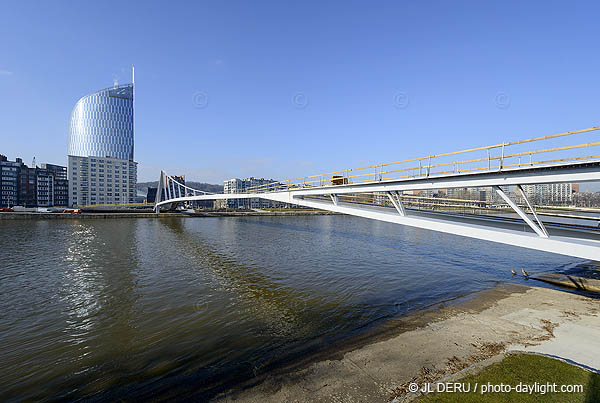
{"x":379,"y":191}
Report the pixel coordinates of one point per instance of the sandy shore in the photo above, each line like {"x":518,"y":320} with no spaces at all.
{"x":436,"y":344}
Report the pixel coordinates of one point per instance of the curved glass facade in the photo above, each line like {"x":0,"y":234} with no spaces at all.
{"x":102,"y":124}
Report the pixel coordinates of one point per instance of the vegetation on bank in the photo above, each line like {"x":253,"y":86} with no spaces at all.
{"x":526,"y":369}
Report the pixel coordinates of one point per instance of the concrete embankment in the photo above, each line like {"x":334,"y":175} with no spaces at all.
{"x":441,"y":344}
{"x":61,"y":216}
{"x":133,"y":214}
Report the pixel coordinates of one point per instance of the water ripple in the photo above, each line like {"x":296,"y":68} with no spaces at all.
{"x":129,"y":308}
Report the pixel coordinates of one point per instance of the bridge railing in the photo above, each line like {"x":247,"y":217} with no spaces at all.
{"x":573,"y":146}
{"x":170,"y":188}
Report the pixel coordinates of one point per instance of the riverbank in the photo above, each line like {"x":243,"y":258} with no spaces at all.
{"x":67,"y":216}
{"x":148,"y":214}
{"x":440,"y":344}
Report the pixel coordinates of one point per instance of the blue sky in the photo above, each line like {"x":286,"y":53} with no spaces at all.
{"x":284,"y":89}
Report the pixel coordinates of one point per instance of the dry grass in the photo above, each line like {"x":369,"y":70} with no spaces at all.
{"x":453,"y":365}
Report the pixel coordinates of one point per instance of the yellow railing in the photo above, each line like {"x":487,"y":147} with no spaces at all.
{"x":497,"y":157}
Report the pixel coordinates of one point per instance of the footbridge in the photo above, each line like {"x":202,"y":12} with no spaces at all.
{"x":503,"y":172}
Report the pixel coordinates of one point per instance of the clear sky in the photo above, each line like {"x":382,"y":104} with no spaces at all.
{"x":283,"y":89}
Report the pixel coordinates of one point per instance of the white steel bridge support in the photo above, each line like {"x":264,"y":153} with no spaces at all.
{"x":534,"y":235}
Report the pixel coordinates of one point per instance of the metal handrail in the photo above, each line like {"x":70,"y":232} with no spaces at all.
{"x":379,"y":199}
{"x":324,"y":179}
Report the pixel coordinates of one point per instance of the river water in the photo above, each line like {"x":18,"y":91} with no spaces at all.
{"x":185,"y":307}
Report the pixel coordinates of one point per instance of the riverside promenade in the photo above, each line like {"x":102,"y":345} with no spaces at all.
{"x":148,"y":214}
{"x":443,"y":344}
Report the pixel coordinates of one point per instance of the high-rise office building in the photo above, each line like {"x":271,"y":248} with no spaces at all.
{"x":101,"y":137}
{"x":102,"y":124}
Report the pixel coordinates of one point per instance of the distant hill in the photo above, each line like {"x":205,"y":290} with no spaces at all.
{"x":142,"y":187}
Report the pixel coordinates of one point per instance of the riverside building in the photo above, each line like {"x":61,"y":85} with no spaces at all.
{"x":9,"y":178}
{"x":241,"y":186}
{"x":95,"y":180}
{"x":101,"y":168}
{"x":550,"y":193}
{"x":20,"y":185}
{"x":60,"y":185}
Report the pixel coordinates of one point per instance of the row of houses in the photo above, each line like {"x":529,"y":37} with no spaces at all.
{"x":43,"y":186}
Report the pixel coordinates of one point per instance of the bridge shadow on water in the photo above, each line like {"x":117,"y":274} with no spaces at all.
{"x":289,"y":322}
{"x":296,"y":323}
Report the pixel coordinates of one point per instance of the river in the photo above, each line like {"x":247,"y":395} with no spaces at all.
{"x":186,"y":307}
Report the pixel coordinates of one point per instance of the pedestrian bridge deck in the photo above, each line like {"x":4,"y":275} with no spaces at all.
{"x":564,"y":158}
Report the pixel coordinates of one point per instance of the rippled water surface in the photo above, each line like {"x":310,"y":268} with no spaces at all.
{"x":123,"y":308}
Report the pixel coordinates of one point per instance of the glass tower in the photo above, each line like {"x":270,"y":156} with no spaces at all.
{"x":102,"y":124}
{"x":101,"y":168}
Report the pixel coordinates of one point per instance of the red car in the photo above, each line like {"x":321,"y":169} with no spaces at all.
{"x":72,"y":211}
{"x":6,"y":209}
